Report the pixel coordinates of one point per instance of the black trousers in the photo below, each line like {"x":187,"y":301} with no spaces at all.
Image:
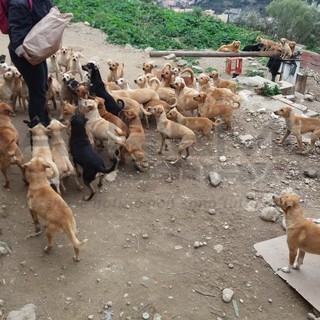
{"x":36,"y":78}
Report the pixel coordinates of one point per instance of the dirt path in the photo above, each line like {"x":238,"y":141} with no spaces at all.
{"x":142,"y":226}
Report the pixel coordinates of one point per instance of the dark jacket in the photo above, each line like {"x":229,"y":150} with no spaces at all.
{"x":22,"y":18}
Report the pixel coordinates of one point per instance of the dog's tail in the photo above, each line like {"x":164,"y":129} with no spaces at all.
{"x":154,"y":83}
{"x":240,"y":98}
{"x":71,"y":234}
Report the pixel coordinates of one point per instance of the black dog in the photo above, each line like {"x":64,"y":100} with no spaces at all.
{"x":84,"y":155}
{"x":98,"y":88}
{"x":253,"y":47}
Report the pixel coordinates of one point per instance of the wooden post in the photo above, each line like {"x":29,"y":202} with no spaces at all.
{"x":301,"y":83}
{"x":216,"y":54}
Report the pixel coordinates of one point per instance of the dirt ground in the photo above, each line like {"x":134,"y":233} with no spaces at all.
{"x":142,"y":226}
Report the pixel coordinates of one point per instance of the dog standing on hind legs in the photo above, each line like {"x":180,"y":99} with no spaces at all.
{"x":43,"y":201}
{"x":84,"y":155}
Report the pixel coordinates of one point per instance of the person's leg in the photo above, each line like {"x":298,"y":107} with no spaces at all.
{"x":36,"y":78}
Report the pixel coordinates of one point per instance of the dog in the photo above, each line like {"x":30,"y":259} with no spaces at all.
{"x":10,"y":152}
{"x":303,"y":235}
{"x":100,"y":129}
{"x":149,"y":67}
{"x":233,"y":47}
{"x":7,"y":86}
{"x":253,"y":47}
{"x":208,"y":108}
{"x":44,"y":202}
{"x":171,"y":130}
{"x":2,"y":58}
{"x":221,"y":95}
{"x":110,"y":117}
{"x":202,"y":124}
{"x":98,"y":88}
{"x":268,"y":44}
{"x":286,"y":52}
{"x":65,"y":92}
{"x":75,"y":65}
{"x":184,"y":95}
{"x":40,"y":148}
{"x":299,"y":125}
{"x":149,"y":81}
{"x":63,"y":58}
{"x":53,"y":91}
{"x":84,"y":155}
{"x":135,"y":140}
{"x":60,"y":154}
{"x":222,"y":83}
{"x":116,"y":70}
{"x":53,"y":66}
{"x":188,"y":76}
{"x":3,"y":67}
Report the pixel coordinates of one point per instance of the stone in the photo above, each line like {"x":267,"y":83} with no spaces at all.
{"x":227,"y":294}
{"x":218,"y":248}
{"x":269,"y":214}
{"x":215,"y":178}
{"x":310,"y":173}
{"x":27,"y":312}
{"x":245,"y":138}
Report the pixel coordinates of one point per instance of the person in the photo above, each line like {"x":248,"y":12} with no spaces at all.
{"x":22,"y":16}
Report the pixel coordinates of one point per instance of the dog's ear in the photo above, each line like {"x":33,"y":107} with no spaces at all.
{"x":289,"y":200}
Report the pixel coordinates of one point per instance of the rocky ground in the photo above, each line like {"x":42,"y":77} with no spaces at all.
{"x":165,"y":243}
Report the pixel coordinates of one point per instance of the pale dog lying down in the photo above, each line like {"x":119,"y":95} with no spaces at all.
{"x":43,"y":201}
{"x":172,"y":130}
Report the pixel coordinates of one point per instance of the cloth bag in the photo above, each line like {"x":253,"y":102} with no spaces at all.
{"x":44,"y":39}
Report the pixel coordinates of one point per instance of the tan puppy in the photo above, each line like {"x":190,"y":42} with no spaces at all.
{"x":49,"y":205}
{"x":7,"y":86}
{"x":63,"y":58}
{"x":16,"y":87}
{"x":148,"y":81}
{"x":75,"y":65}
{"x":172,"y":130}
{"x":110,"y":117}
{"x":10,"y":152}
{"x":221,"y":95}
{"x":286,"y":51}
{"x":167,"y":76}
{"x":233,"y":47}
{"x":53,"y":91}
{"x":40,"y":148}
{"x":135,"y":140}
{"x":267,"y":44}
{"x":292,"y":45}
{"x":140,"y":95}
{"x":53,"y":66}
{"x":222,"y":83}
{"x":67,"y":110}
{"x":184,"y":95}
{"x":116,"y":70}
{"x":303,"y":235}
{"x":60,"y":154}
{"x":202,"y":124}
{"x":149,"y":67}
{"x":101,"y":129}
{"x":208,"y":108}
{"x":299,"y":125}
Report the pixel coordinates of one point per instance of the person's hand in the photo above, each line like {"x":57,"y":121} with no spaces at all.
{"x":20,"y":52}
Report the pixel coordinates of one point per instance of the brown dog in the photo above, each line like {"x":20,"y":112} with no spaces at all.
{"x":116,"y":70}
{"x":208,"y":108}
{"x":267,"y":44}
{"x":299,"y":125}
{"x":135,"y":140}
{"x":233,"y":47}
{"x":202,"y":124}
{"x":222,"y":83}
{"x":303,"y":235}
{"x":10,"y":152}
{"x":221,"y":95}
{"x":43,"y":201}
{"x":172,"y":130}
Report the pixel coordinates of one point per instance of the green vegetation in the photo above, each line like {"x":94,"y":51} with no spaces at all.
{"x":144,"y":24}
{"x":268,"y":90}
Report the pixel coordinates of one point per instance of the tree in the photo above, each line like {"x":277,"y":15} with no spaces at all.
{"x":296,"y":20}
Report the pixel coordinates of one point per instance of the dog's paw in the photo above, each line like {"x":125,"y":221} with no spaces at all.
{"x":47,"y":249}
{"x":296,"y":266}
{"x":286,"y":269}
{"x":76,"y":259}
